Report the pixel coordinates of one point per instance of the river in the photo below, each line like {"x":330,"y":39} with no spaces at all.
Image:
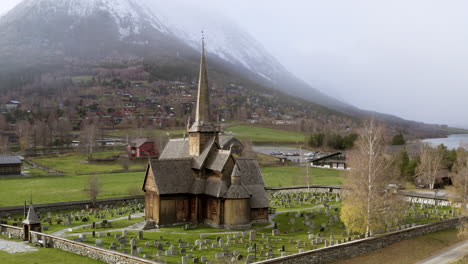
{"x":451,"y":142}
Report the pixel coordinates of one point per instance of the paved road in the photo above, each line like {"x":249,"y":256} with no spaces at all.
{"x":448,"y":255}
{"x":15,"y":247}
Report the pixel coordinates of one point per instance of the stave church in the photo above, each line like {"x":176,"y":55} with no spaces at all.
{"x":196,"y":181}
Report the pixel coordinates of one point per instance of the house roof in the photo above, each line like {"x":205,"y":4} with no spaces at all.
{"x":217,"y":160}
{"x":9,"y":160}
{"x":138,"y":142}
{"x":327,"y":156}
{"x":176,"y":149}
{"x":32,"y":218}
{"x":251,"y":178}
{"x":173,"y":176}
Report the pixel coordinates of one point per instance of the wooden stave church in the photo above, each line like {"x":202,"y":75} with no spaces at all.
{"x":196,"y":181}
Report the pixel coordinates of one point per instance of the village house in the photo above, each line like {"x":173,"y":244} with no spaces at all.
{"x":10,"y":166}
{"x":196,"y":181}
{"x":142,"y":148}
{"x":335,"y":160}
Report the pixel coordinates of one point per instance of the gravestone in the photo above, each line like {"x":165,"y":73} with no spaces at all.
{"x":140,"y":235}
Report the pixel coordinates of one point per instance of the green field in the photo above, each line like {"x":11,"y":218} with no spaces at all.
{"x":258,"y":134}
{"x":173,"y":133}
{"x":292,"y":176}
{"x":44,"y":256}
{"x":408,"y":251}
{"x":74,"y":163}
{"x":52,"y":189}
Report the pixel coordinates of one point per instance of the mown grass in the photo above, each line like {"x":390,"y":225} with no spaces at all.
{"x":76,"y":163}
{"x":43,"y":256}
{"x":292,"y":176}
{"x":50,"y":189}
{"x":258,"y":134}
{"x":173,"y":133}
{"x":408,"y":251}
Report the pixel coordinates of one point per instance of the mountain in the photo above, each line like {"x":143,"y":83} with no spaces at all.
{"x":41,"y":36}
{"x":54,"y":32}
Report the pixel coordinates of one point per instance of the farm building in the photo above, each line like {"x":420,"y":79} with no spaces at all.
{"x":196,"y":181}
{"x":10,"y":166}
{"x":142,"y":148}
{"x":335,"y":160}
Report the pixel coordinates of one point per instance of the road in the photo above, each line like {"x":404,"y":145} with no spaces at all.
{"x":448,"y":254}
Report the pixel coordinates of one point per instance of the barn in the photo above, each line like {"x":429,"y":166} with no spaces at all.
{"x":10,"y":166}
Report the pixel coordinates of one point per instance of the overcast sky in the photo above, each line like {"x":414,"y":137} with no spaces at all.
{"x":403,"y":57}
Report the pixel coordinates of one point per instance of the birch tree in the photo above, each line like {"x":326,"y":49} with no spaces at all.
{"x":88,"y":139}
{"x":367,"y":202}
{"x":429,"y":166}
{"x":460,"y":187}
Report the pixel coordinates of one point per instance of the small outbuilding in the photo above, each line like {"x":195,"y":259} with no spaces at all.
{"x":32,"y":223}
{"x":142,"y":148}
{"x":335,"y":160}
{"x":10,"y":166}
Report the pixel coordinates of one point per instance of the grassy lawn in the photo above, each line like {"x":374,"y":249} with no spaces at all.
{"x":50,"y":189}
{"x":408,"y":251}
{"x":82,"y":78}
{"x":259,"y":134}
{"x":75,"y":163}
{"x":291,"y":176}
{"x":173,"y":133}
{"x":45,"y":256}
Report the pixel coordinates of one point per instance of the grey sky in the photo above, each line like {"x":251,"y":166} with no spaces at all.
{"x":407,"y":58}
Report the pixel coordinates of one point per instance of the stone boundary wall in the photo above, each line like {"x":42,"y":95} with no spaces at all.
{"x":420,"y":198}
{"x":97,"y":253}
{"x":11,"y":231}
{"x":362,"y":246}
{"x":68,"y":205}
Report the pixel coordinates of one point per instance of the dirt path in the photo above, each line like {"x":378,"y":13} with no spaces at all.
{"x":447,"y":255}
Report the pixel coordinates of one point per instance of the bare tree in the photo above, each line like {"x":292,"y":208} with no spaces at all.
{"x":4,"y":145}
{"x":93,"y":188}
{"x":367,"y":201}
{"x":430,"y":165}
{"x":88,"y":140}
{"x":460,"y":187}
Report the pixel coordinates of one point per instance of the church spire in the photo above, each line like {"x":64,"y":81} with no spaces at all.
{"x":202,"y":114}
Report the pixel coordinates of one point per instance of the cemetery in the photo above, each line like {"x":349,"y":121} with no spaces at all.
{"x":303,"y":221}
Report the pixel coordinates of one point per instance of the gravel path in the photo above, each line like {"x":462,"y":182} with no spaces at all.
{"x":448,"y":254}
{"x":15,"y":247}
{"x":63,"y":232}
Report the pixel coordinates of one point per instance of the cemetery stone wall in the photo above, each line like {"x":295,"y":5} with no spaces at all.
{"x":11,"y":231}
{"x":361,"y":247}
{"x":97,"y":253}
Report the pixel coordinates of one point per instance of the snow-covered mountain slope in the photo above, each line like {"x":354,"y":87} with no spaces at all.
{"x":55,"y":30}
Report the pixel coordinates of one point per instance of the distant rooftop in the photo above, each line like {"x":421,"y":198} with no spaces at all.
{"x":10,"y":160}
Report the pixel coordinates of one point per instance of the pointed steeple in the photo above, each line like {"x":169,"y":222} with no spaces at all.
{"x":202,"y":131}
{"x":32,"y":217}
{"x":202,"y":114}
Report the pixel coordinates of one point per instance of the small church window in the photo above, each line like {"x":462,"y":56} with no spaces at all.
{"x":214,"y":207}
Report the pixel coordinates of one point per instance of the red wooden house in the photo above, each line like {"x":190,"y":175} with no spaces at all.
{"x":142,"y":148}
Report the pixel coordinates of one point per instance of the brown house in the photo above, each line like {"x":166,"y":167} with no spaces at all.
{"x":196,"y":181}
{"x":10,"y":166}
